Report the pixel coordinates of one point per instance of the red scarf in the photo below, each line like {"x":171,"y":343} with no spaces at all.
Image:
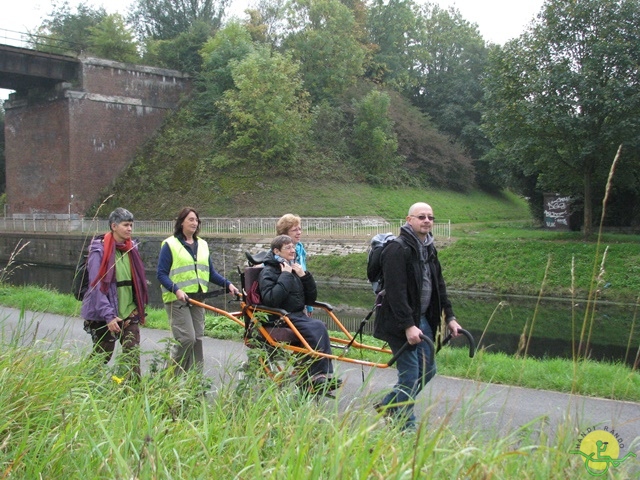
{"x":107,"y":271}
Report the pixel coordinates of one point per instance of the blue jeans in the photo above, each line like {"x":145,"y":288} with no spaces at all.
{"x":413,"y":374}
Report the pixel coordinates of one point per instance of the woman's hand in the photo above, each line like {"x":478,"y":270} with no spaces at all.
{"x":114,"y":326}
{"x":181,"y":295}
{"x":285,"y":267}
{"x":296,"y":267}
{"x":233,"y":290}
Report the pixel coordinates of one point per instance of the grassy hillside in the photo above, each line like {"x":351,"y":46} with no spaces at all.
{"x":496,"y":246}
{"x":235,"y":192}
{"x":188,"y":163}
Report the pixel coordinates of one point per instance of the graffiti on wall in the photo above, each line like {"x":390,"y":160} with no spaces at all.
{"x":556,"y":211}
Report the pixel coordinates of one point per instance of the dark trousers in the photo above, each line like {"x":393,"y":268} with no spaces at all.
{"x":104,"y":342}
{"x":414,"y":372}
{"x":315,"y":332}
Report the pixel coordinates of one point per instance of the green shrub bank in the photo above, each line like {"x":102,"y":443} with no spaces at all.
{"x":551,"y":264}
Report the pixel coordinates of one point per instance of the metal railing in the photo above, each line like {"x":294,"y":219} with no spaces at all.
{"x":14,"y":38}
{"x":42,"y":43}
{"x":242,"y":226}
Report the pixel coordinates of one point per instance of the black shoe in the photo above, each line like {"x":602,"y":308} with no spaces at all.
{"x":323,"y":384}
{"x":334,"y":383}
{"x":383,"y":410}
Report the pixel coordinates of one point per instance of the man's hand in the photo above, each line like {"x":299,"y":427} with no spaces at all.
{"x":454,"y":328}
{"x":413,"y":335}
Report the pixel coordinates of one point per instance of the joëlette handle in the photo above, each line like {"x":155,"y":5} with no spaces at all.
{"x":406,"y":345}
{"x":472,"y":343}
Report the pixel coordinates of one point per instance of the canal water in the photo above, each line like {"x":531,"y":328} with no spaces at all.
{"x":551,"y":327}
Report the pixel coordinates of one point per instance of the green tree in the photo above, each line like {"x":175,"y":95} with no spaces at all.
{"x":396,"y":28}
{"x":563,"y":96}
{"x":268,"y":109}
{"x":181,"y":52}
{"x":450,"y":88}
{"x":329,"y":132}
{"x":231,"y":44}
{"x":374,"y":142}
{"x":166,"y":19}
{"x":267,"y":21}
{"x":322,"y":38}
{"x":110,"y":38}
{"x":65,"y":31}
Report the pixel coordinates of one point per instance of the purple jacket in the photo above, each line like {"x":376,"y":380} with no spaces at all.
{"x":96,"y":305}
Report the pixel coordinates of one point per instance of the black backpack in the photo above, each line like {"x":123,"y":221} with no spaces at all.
{"x":374,"y":259}
{"x":80,"y":282}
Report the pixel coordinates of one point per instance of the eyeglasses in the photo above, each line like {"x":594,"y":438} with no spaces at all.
{"x":288,"y":247}
{"x":422,"y":218}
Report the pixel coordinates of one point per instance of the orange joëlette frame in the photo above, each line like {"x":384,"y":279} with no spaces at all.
{"x":250,"y":310}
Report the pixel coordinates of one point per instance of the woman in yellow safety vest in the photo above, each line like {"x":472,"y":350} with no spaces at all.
{"x":185,"y":269}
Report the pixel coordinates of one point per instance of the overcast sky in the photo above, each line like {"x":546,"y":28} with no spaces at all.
{"x":497,"y":20}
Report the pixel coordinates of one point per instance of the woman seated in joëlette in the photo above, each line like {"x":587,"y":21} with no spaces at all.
{"x":284,"y":284}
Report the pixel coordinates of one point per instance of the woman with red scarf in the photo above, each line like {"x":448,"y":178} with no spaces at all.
{"x":113,"y":307}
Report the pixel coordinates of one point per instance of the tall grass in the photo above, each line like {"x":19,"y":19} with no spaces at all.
{"x":597,"y":278}
{"x":485,"y":367}
{"x":636,"y":361}
{"x":8,"y":270}
{"x":65,"y":418}
{"x":596,"y":283}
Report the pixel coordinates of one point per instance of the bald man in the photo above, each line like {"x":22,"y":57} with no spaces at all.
{"x":415,"y":299}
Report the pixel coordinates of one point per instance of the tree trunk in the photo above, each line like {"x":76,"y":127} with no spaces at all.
{"x":588,"y":206}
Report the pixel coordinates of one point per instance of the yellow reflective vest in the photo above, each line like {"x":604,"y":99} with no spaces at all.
{"x":190,"y":276}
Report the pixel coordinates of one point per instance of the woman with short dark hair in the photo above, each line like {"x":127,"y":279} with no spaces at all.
{"x":286,"y":285}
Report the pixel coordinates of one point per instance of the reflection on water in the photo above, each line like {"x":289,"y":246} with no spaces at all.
{"x":499,"y":324}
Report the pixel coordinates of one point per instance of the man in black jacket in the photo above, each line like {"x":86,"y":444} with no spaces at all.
{"x":414,"y":303}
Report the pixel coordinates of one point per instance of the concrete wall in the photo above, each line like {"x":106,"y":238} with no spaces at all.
{"x":63,"y":149}
{"x":53,"y":257}
{"x":64,"y":250}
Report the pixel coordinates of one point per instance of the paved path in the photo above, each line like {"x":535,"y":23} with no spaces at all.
{"x":489,"y":408}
